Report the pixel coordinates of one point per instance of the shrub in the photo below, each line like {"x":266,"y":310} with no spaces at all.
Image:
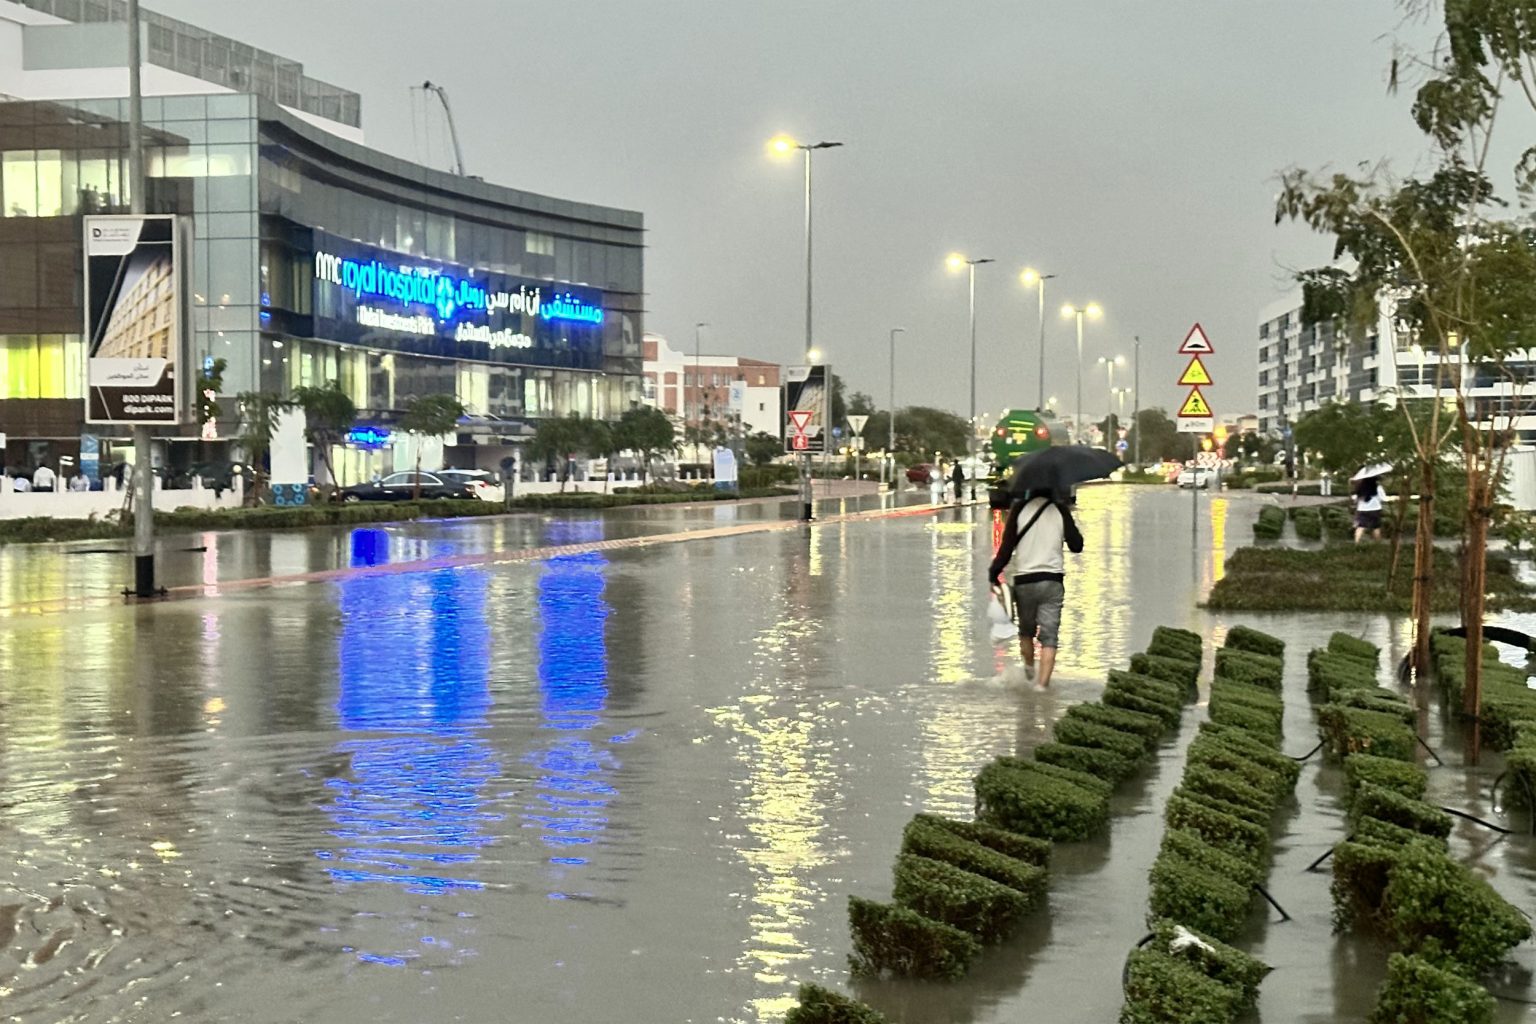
{"x":923,"y":837}
{"x":1243,"y":638}
{"x":1036,"y":804}
{"x":1254,"y":699}
{"x":1228,"y":787}
{"x":1083,"y":780}
{"x":1248,"y":667}
{"x":1162,"y":989}
{"x":1218,"y":827}
{"x":1360,"y":875}
{"x":1213,"y":958}
{"x":1178,"y":671}
{"x":1101,"y":764}
{"x":1237,"y":715}
{"x":1069,"y":729}
{"x":973,"y":903}
{"x":1183,"y":891}
{"x":1372,"y":801}
{"x":1231,"y":761}
{"x":1255,"y":749}
{"x":1270,"y":524}
{"x":1374,"y":831}
{"x":1347,"y":730}
{"x":1252,"y":815}
{"x":1403,"y":777}
{"x":1190,"y":847}
{"x":1309,"y":523}
{"x":1385,"y":701}
{"x":1418,"y":992}
{"x":1331,"y":674}
{"x":1028,"y":849}
{"x":1149,"y":727}
{"x":1170,"y":695}
{"x":1176,"y":643}
{"x":891,"y":938}
{"x":822,"y":1006}
{"x":1520,"y":762}
{"x":1354,"y":647}
{"x":1505,"y":704}
{"x":1436,"y":908}
{"x":1124,"y":695}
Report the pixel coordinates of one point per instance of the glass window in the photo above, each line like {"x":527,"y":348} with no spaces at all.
{"x":42,"y":366}
{"x":540,"y":244}
{"x":50,"y":183}
{"x":231,"y":271}
{"x":18,"y":183}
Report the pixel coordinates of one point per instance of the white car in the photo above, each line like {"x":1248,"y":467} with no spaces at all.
{"x":486,"y":485}
{"x":1198,"y":477}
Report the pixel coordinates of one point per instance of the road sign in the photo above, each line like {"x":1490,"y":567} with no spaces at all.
{"x":1196,"y":425}
{"x":1196,"y":343}
{"x":803,"y":400}
{"x":1121,"y":445}
{"x":1195,"y":374}
{"x":1195,"y":406}
{"x":856,"y":423}
{"x":799,"y":420}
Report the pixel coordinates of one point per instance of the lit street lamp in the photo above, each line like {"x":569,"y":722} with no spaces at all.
{"x":890,"y":433}
{"x":957,"y":262}
{"x":1092,"y":311}
{"x":698,"y":391}
{"x":785,"y":146}
{"x":1109,"y":363}
{"x":1032,"y":278}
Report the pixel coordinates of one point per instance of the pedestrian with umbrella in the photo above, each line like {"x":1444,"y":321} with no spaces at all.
{"x":1039,"y":524}
{"x":1368,"y":494}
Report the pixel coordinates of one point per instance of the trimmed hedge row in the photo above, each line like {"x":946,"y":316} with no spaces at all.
{"x":822,"y":1006}
{"x":1270,"y":524}
{"x":1216,"y":848}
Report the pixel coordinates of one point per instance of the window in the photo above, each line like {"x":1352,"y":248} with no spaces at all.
{"x":18,"y":183}
{"x":540,"y":244}
{"x":42,"y":366}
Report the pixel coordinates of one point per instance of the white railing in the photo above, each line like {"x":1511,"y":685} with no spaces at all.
{"x":67,"y":504}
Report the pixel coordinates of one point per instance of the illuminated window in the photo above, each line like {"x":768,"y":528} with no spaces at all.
{"x":41,"y":366}
{"x":18,"y":183}
{"x":541,"y":244}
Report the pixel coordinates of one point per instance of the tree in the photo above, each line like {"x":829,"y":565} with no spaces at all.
{"x":561,"y":438}
{"x":861,"y":405}
{"x":647,"y":431}
{"x":430,"y":416}
{"x":762,"y":448}
{"x":1159,"y":438}
{"x":210,"y":384}
{"x":329,"y":413}
{"x":260,"y":412}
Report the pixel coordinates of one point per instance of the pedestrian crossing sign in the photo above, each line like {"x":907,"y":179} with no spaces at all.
{"x":1195,"y":406}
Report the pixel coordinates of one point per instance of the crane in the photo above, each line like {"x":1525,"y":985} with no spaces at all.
{"x":453,"y":133}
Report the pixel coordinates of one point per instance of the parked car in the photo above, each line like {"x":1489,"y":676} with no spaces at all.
{"x":918,"y":473}
{"x":1199,"y":477}
{"x":402,"y":487}
{"x":486,"y":485}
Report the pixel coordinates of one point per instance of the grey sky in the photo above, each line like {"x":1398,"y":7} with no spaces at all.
{"x":1130,"y":148}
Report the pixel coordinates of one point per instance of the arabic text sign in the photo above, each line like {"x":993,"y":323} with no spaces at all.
{"x":134,"y":324}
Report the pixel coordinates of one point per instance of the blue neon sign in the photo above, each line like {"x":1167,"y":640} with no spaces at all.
{"x":368,"y":437}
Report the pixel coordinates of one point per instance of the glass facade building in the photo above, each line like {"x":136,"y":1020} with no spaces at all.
{"x":316,"y":259}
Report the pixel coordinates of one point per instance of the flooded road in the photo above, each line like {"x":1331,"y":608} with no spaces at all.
{"x":615,"y":783}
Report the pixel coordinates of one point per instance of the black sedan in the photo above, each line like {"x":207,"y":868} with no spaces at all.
{"x":402,"y":487}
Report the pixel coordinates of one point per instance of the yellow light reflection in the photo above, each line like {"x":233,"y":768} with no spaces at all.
{"x":1097,"y":610}
{"x":1220,"y":508}
{"x":953,"y":593}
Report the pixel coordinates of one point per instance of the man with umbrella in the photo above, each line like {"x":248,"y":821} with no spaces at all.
{"x":1039,"y":524}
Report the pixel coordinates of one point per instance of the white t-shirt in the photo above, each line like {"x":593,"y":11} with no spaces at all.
{"x":43,"y":477}
{"x":1039,"y":550}
{"x":1371,"y":504}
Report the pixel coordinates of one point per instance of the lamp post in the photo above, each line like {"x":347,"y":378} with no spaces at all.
{"x":785,"y":146}
{"x":1032,"y":278}
{"x":890,"y":433}
{"x":1136,"y":400}
{"x":955,"y":262}
{"x":1120,"y":414}
{"x":698,"y":390}
{"x":1092,"y":311}
{"x":1109,"y":363}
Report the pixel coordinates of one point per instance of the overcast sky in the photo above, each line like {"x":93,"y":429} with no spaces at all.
{"x":1129,"y":147}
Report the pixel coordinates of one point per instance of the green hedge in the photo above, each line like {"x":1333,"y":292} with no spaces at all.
{"x":1070,"y":729}
{"x":1418,"y":992}
{"x":1191,"y":847}
{"x":954,"y":896}
{"x":1437,"y":909}
{"x":1124,"y":695}
{"x":822,"y":1006}
{"x":1252,"y":695}
{"x":1403,"y":777}
{"x":1033,"y":802}
{"x":1083,"y":780}
{"x":925,"y":837}
{"x":1237,"y":715}
{"x":1372,"y":801}
{"x":1345,"y":731}
{"x":1354,"y":647}
{"x":1257,"y":816}
{"x":1520,"y":761}
{"x":1308,"y":521}
{"x":1384,"y":701}
{"x":1170,"y":696}
{"x":891,"y":938}
{"x":1270,"y":524}
{"x":1506,"y":704}
{"x":1330,"y":673}
{"x":1176,"y":643}
{"x":1179,"y":671}
{"x":1149,"y":728}
{"x":1229,"y":787}
{"x":1100,"y":763}
{"x":1361,"y":872}
{"x":1028,"y":849}
{"x":1254,"y":749}
{"x":1181,"y":890}
{"x":1213,"y":958}
{"x":1226,"y":758}
{"x":1374,"y":831}
{"x":1162,"y":989}
{"x":1245,"y":638}
{"x":1218,"y":827}
{"x":1248,"y":667}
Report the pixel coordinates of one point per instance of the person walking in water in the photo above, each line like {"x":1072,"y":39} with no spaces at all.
{"x":957,"y":477}
{"x":1368,"y":508}
{"x":1031,"y":553}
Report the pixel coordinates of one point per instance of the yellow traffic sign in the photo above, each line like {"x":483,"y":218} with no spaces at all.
{"x":1195,"y":406}
{"x":1195,"y":375}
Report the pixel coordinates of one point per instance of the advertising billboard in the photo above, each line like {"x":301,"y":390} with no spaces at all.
{"x":805,"y":396}
{"x":134,"y":326}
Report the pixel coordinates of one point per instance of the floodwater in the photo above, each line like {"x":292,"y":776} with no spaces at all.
{"x":610,"y":783}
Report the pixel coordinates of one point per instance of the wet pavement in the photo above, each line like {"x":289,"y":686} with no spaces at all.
{"x":608,"y":783}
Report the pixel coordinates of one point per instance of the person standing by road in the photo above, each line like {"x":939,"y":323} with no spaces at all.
{"x":957,"y":477}
{"x":1368,"y":508}
{"x":1031,"y":553}
{"x":43,"y":479}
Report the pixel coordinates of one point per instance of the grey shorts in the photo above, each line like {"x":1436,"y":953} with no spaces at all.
{"x":1039,"y":608}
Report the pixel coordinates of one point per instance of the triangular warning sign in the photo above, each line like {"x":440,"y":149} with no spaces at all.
{"x":1195,"y":375}
{"x":1195,"y":406}
{"x":800,"y":418}
{"x":1196,"y":343}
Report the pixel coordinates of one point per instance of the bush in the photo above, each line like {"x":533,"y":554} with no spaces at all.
{"x":1361,"y":872}
{"x":1082,"y":780}
{"x":1124,"y":695}
{"x":1347,"y":730}
{"x":1213,"y":958}
{"x":1227,"y":759}
{"x":1309,"y":523}
{"x":1436,"y":908}
{"x":1505,"y":705}
{"x":1190,"y":847}
{"x":973,"y":903}
{"x":1237,"y":715}
{"x":1418,"y":992}
{"x":751,"y":478}
{"x":1255,"y":699}
{"x":891,"y":938}
{"x":1330,"y":673}
{"x":1402,"y":777}
{"x":1133,"y":723}
{"x":1384,"y":833}
{"x":1520,"y":762}
{"x":1179,"y":671}
{"x":1229,"y":788}
{"x":1270,"y":524}
{"x":1384,"y":701}
{"x":1176,"y":643}
{"x":1248,"y":667}
{"x":924,"y":837}
{"x":1101,"y":764}
{"x":1028,"y":849}
{"x":821,"y":1006}
{"x":1221,"y":829}
{"x":1354,"y":647}
{"x":1183,"y":891}
{"x":1254,"y":749}
{"x":1069,"y":729}
{"x":1162,"y":989}
{"x":1242,"y":638}
{"x":1372,"y":801}
{"x":1252,"y":815}
{"x":1171,"y":695}
{"x":1034,"y":803}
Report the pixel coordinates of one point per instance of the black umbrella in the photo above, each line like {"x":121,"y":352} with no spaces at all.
{"x":1060,"y":468}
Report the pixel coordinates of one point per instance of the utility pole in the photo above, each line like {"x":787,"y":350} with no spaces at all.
{"x":1136,"y":401}
{"x":143,"y":462}
{"x":890,"y":432}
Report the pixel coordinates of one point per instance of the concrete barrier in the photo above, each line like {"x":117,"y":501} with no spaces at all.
{"x":67,"y":504}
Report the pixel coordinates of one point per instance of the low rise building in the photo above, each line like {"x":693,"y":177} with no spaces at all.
{"x":698,"y":388}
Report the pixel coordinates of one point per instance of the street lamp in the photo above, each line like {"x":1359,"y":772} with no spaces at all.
{"x":1092,"y":311}
{"x":956,"y":262}
{"x":784,"y":146}
{"x":890,"y":433}
{"x":1032,"y":278}
{"x":1109,"y":363}
{"x":698,"y":390}
{"x":1120,"y":393}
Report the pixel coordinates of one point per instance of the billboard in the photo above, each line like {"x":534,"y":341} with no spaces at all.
{"x":134,"y":327}
{"x":804,"y":414}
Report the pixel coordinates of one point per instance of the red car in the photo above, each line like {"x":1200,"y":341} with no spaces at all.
{"x":919,"y":473}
